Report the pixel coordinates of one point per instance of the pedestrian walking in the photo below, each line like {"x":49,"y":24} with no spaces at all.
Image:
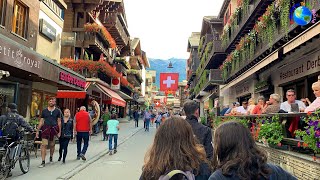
{"x":158,"y":120}
{"x":113,"y":128}
{"x":203,"y":133}
{"x":66,"y":135}
{"x":147,"y":118}
{"x":105,"y":117}
{"x":153,"y":117}
{"x":82,"y":128}
{"x":136,"y":117}
{"x":237,"y":156}
{"x":175,"y":148}
{"x":50,"y":125}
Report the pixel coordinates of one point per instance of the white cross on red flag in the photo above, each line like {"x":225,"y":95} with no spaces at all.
{"x":169,"y":81}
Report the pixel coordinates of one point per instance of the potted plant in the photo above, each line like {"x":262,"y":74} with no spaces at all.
{"x":270,"y":132}
{"x":311,"y":134}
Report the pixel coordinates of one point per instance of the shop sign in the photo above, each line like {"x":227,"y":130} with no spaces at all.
{"x":68,"y":39}
{"x":18,"y":57}
{"x":47,"y":30}
{"x":300,"y":69}
{"x":73,"y":80}
{"x":115,"y":83}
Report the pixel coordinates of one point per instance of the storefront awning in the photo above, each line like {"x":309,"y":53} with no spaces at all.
{"x":71,"y":94}
{"x":115,"y":99}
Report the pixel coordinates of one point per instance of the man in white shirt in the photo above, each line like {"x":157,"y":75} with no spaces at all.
{"x":243,"y":110}
{"x":291,"y":98}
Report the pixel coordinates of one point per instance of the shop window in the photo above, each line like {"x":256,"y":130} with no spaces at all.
{"x":7,"y":93}
{"x":36,"y":104}
{"x":19,"y":19}
{"x":2,"y":12}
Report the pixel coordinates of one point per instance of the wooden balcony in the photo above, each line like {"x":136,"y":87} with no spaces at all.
{"x":134,"y":80}
{"x":216,"y":56}
{"x":263,"y":49}
{"x":248,"y":20}
{"x":208,"y":38}
{"x":135,"y":62}
{"x":116,"y":25}
{"x":92,"y":40}
{"x":88,"y":5}
{"x":214,"y":79}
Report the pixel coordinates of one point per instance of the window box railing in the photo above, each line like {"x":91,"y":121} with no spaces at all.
{"x":273,"y":130}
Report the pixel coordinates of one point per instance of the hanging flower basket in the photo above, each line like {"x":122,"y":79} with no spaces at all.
{"x":93,"y":67}
{"x":94,"y":27}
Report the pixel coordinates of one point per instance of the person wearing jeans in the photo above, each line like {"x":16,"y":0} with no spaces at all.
{"x":82,"y":129}
{"x":112,"y":131}
{"x":147,"y":117}
{"x":66,"y":135}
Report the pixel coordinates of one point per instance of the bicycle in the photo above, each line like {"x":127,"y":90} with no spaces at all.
{"x":11,"y":153}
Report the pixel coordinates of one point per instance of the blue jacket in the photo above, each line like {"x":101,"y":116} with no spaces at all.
{"x":277,"y":173}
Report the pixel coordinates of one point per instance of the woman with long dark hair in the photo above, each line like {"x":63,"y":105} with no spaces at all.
{"x":236,"y":156}
{"x":175,"y":148}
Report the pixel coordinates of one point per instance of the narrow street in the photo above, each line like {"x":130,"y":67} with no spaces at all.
{"x":125,"y":164}
{"x":133,"y":141}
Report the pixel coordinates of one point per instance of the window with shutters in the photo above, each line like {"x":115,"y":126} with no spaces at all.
{"x":19,"y":19}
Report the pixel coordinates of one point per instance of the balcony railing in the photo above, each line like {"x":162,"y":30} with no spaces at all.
{"x":203,"y":44}
{"x":244,"y":21}
{"x":89,"y":39}
{"x":280,"y":136}
{"x":216,"y":56}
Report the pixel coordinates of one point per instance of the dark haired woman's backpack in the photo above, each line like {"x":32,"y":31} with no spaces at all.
{"x":186,"y":175}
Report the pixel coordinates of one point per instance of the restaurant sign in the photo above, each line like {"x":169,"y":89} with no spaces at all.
{"x":71,"y":79}
{"x":301,"y":68}
{"x":18,"y":57}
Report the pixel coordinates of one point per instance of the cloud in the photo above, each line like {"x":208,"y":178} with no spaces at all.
{"x":164,"y":26}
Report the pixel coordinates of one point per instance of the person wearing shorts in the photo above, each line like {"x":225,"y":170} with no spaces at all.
{"x":50,"y":125}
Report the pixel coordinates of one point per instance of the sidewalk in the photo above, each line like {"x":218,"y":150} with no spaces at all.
{"x":57,"y":170}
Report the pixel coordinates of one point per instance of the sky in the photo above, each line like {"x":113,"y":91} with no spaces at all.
{"x":164,"y":26}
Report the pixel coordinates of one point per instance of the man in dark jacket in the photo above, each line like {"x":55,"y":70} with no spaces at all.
{"x":203,"y":133}
{"x":13,"y":116}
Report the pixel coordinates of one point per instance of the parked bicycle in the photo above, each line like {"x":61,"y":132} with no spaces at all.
{"x":10,"y":153}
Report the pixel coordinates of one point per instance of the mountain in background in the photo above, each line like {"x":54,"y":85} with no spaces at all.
{"x":161,"y":65}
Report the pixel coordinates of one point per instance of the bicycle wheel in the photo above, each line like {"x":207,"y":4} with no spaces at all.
{"x":4,"y":166}
{"x":24,"y":160}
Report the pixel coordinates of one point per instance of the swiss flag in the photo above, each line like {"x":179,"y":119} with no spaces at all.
{"x":157,"y":103}
{"x":169,"y":81}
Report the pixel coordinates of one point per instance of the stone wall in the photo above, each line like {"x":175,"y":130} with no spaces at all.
{"x":300,"y":165}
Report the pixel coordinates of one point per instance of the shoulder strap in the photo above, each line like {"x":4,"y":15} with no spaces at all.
{"x":187,"y":174}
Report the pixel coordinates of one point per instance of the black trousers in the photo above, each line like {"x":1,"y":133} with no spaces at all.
{"x":105,"y":136}
{"x":136,"y":122}
{"x":64,"y":142}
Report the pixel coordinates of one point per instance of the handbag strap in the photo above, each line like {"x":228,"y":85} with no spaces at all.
{"x":174,"y":172}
